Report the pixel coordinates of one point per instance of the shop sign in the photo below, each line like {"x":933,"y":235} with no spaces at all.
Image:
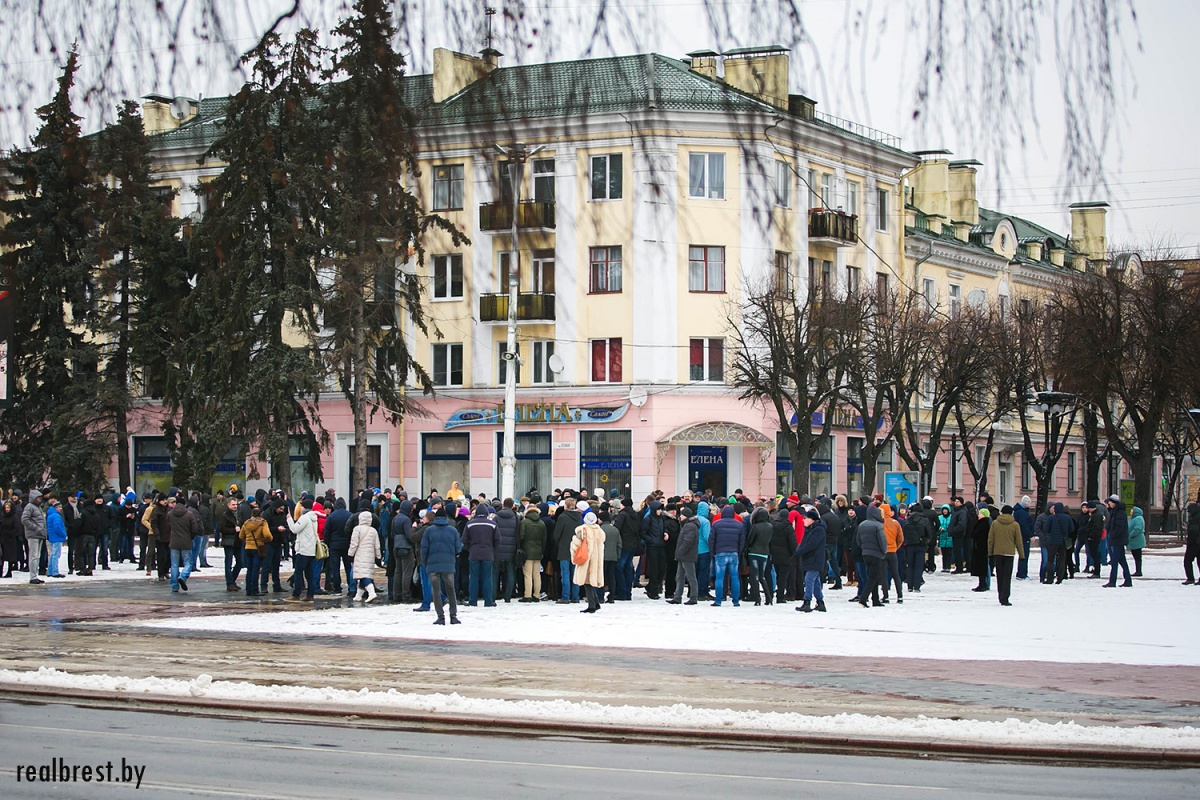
{"x":706,"y":456}
{"x":541,"y":413}
{"x":609,"y":464}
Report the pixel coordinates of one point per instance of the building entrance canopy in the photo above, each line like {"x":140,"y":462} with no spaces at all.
{"x":715,"y":434}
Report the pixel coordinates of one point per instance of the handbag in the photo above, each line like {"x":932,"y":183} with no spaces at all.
{"x":322,"y":550}
{"x":519,"y":558}
{"x":581,"y":552}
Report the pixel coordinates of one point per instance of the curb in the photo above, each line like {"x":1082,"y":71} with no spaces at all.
{"x":355,"y":716}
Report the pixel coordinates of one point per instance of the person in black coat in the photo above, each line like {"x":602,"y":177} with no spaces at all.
{"x":811,"y":554}
{"x":980,"y":567}
{"x":783,"y":549}
{"x":339,"y":527}
{"x":1118,"y":540}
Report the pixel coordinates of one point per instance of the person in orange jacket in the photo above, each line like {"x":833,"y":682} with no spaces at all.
{"x":895,"y":538}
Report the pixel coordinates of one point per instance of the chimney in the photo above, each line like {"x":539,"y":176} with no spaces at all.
{"x":1088,"y":236}
{"x":964,"y":204}
{"x":491,"y":58}
{"x":930,"y":182}
{"x":705,"y":63}
{"x":453,"y":72}
{"x":761,"y":72}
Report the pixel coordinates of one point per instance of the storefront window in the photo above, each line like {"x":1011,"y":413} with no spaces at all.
{"x":533,"y":468}
{"x":302,"y":479}
{"x":820,"y":479}
{"x":151,"y":464}
{"x":606,"y":461}
{"x":445,"y":458}
{"x":854,"y":467}
{"x":783,"y":466}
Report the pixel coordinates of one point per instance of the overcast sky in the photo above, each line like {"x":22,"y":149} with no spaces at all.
{"x":860,"y":59}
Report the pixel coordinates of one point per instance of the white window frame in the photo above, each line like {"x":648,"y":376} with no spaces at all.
{"x":541,"y":351}
{"x":853,"y":280}
{"x":1072,"y":471}
{"x":502,"y":364}
{"x":705,"y":190}
{"x":607,"y":159}
{"x":955,"y":295}
{"x":929,"y":291}
{"x":540,"y":171}
{"x":446,"y":263}
{"x":852,"y":198}
{"x":882,"y":210}
{"x":608,"y":344}
{"x":812,"y":191}
{"x":706,"y":268}
{"x":783,"y":272}
{"x":827,"y":199}
{"x":543,"y":261}
{"x":502,"y":271}
{"x":449,"y":351}
{"x":782,"y":184}
{"x":709,"y":344}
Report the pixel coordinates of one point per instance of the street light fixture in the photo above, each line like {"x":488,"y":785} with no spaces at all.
{"x":517,"y":156}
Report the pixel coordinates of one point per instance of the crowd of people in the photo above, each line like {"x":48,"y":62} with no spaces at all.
{"x":685,"y":549}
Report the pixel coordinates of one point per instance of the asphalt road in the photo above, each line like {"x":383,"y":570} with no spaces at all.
{"x":181,"y":755}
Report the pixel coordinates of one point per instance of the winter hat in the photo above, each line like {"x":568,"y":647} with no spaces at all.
{"x":686,"y":511}
{"x":589,"y":518}
{"x":1025,"y":500}
{"x":812,"y":514}
{"x":1006,"y":510}
{"x":1113,"y":499}
{"x":441,"y":512}
{"x":793,"y":499}
{"x":983,"y":512}
{"x":130,"y":497}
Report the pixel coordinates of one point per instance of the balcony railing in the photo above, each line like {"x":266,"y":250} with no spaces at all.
{"x":530,"y":214}
{"x":530,"y":307}
{"x":832,"y":226}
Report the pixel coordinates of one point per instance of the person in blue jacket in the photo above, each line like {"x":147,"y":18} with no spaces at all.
{"x":440,"y":547}
{"x":56,"y":534}
{"x":1024,"y":519}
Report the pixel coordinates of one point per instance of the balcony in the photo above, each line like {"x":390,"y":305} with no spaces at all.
{"x":530,"y":308}
{"x":531,"y":214}
{"x":832,"y":227}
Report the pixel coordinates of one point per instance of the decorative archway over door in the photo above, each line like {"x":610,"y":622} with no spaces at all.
{"x":716,"y":434}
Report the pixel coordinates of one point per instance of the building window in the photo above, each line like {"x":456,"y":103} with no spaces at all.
{"x":542,"y":350}
{"x":448,"y":187}
{"x":814,"y":198}
{"x":882,"y":209}
{"x":1072,"y":471}
{"x":827,"y":190}
{"x":882,"y":289}
{"x":445,"y":458}
{"x":706,"y":360}
{"x":606,"y":177}
{"x":448,"y":364}
{"x":1026,"y":306}
{"x":1002,"y":301}
{"x":853,"y":280}
{"x":782,"y":184}
{"x":502,"y":364}
{"x":783,"y":272}
{"x":706,"y":269}
{"x":606,"y":461}
{"x":604,"y":276}
{"x":606,"y":360}
{"x":706,"y":175}
{"x":502,"y":264}
{"x":543,"y":271}
{"x":929,"y":291}
{"x":852,"y":198}
{"x":820,"y":275}
{"x":543,"y":180}
{"x":955,"y":300}
{"x":504,"y":181}
{"x":447,"y":277}
{"x":1026,"y":475}
{"x":533,"y":455}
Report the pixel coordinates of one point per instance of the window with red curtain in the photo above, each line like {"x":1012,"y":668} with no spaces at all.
{"x":606,"y":360}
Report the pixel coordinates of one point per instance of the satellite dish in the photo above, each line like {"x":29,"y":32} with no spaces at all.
{"x":556,"y":364}
{"x":637,"y":396}
{"x":181,"y":108}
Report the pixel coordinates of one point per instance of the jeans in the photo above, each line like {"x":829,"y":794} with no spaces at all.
{"x":270,"y":568}
{"x":503,"y":572}
{"x":957,"y":543}
{"x":1191,"y":558}
{"x":233,"y":565}
{"x":783,"y":579}
{"x":305,"y":568}
{"x":103,"y":542}
{"x":703,"y":572}
{"x":1116,"y":558}
{"x":253,"y":564}
{"x":481,"y":578}
{"x":181,"y":566}
{"x":569,"y":590}
{"x":426,"y":588}
{"x":199,"y":549}
{"x":624,"y":575}
{"x":893,"y":576}
{"x":832,"y":564}
{"x":758,"y":576}
{"x":812,"y":586}
{"x":724,"y":561}
{"x":52,"y":564}
{"x":914,"y":558}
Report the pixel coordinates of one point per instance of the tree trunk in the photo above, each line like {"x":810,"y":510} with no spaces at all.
{"x":1143,"y":480}
{"x":1093,"y":458}
{"x":358,"y":375}
{"x":120,"y":368}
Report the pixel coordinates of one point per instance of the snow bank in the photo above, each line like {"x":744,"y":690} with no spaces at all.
{"x":678,"y":716}
{"x":1076,"y":622}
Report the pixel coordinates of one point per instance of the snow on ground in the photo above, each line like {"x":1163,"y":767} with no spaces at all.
{"x":679,"y":716}
{"x":1076,"y":622}
{"x":126,"y":571}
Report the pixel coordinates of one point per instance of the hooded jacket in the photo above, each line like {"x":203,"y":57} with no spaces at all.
{"x":1118,"y":526}
{"x":943,"y":529}
{"x":686,"y":546}
{"x":783,"y":541}
{"x":440,"y":545}
{"x":183,"y":525}
{"x":255,"y":533}
{"x":340,"y":526}
{"x":704,"y":520}
{"x":56,"y":528}
{"x":400,"y":529}
{"x":506,"y":525}
{"x":651,"y":526}
{"x":305,"y":532}
{"x":1004,"y":537}
{"x":1058,"y":526}
{"x":533,"y":535}
{"x":364,"y":546}
{"x":629,"y":525}
{"x":728,"y":535}
{"x":871,"y":538}
{"x":1137,"y":530}
{"x":1024,"y":520}
{"x":759,"y":541}
{"x":33,"y":519}
{"x":811,"y":551}
{"x":891,"y":529}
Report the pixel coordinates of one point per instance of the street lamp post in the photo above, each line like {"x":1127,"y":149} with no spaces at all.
{"x":517,"y":156}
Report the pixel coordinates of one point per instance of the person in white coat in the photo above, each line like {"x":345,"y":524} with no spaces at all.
{"x":305,"y":565}
{"x":365,"y":550}
{"x":589,"y":574}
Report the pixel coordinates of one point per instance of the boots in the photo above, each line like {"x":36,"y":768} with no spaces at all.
{"x":370,"y":592}
{"x":821,"y":605}
{"x":806,"y":608}
{"x":360,"y":595}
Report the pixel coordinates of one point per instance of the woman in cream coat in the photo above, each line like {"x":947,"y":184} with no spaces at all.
{"x":590,"y":574}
